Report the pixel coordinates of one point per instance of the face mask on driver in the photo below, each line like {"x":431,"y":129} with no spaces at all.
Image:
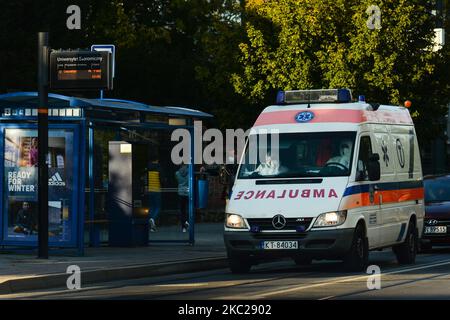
{"x":345,"y":149}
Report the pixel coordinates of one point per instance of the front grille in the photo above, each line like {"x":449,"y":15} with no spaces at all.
{"x":265,"y":224}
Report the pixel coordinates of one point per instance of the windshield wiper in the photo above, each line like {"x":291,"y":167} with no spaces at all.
{"x":289,"y":181}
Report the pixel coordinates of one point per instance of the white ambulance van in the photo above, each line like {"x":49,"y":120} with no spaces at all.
{"x":339,"y":179}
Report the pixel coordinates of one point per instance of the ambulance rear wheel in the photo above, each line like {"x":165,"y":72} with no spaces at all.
{"x":358,"y":257}
{"x":407,"y":251}
{"x":239,"y":263}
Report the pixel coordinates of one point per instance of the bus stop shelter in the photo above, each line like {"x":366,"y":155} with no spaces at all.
{"x":87,"y":140}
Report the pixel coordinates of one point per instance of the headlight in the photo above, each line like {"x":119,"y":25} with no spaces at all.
{"x":331,"y":219}
{"x":235,"y":221}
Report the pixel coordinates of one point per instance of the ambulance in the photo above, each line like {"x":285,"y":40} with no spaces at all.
{"x":326,"y":177}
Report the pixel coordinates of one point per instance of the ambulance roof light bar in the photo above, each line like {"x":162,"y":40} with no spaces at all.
{"x":314,"y":96}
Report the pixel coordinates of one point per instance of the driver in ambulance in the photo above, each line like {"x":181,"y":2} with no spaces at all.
{"x":271,"y":166}
{"x":345,"y":150}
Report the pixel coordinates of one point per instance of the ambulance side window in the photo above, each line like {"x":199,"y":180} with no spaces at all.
{"x":365,"y":150}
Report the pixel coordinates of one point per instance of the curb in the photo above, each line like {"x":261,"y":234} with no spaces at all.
{"x":112,"y":274}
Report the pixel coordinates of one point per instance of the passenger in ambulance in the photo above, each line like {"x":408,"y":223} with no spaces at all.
{"x":270,"y":167}
{"x":343,"y":159}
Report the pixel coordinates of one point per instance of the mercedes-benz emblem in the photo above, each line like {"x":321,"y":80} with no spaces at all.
{"x":432,"y":222}
{"x":279,"y":222}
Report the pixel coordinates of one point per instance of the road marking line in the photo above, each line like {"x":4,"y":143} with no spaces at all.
{"x":346,"y":279}
{"x":326,"y":298}
{"x":182,"y":285}
{"x":400,"y":283}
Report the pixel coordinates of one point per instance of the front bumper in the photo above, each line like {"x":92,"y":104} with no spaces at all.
{"x":436,"y":239}
{"x":322,"y":244}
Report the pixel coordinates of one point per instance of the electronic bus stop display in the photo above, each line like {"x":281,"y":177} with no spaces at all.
{"x":72,"y":70}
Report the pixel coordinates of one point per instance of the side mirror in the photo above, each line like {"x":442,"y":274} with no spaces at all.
{"x":374,"y":167}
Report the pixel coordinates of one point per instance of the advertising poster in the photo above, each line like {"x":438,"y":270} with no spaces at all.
{"x":21,"y":184}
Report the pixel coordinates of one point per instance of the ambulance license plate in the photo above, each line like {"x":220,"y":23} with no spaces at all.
{"x":438,"y":229}
{"x":279,"y":245}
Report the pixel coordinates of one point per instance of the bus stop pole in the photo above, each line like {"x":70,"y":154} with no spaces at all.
{"x":92,"y":229}
{"x":43,"y":145}
{"x":192,"y":189}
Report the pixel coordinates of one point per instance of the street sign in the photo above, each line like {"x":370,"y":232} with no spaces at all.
{"x":108,"y":48}
{"x":80,"y":70}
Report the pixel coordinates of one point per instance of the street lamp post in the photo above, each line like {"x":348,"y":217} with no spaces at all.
{"x":43,"y":49}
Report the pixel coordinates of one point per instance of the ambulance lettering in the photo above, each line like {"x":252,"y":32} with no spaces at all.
{"x":249,"y":195}
{"x":260,"y":194}
{"x":281,"y":194}
{"x":271,"y":195}
{"x":239,"y":195}
{"x":332,"y":194}
{"x":319,"y":193}
{"x":306,"y":193}
{"x":291,"y":195}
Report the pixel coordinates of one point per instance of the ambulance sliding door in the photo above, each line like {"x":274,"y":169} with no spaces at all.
{"x":386,"y":195}
{"x":408,"y":173}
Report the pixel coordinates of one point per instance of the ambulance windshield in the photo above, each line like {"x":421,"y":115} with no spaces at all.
{"x":296,"y":155}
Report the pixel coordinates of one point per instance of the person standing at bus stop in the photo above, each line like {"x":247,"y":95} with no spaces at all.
{"x":154,"y":189}
{"x":182,"y":176}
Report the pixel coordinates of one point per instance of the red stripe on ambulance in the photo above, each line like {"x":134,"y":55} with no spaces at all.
{"x":334,"y":115}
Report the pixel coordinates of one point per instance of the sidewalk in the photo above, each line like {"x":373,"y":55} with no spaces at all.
{"x":25,"y":272}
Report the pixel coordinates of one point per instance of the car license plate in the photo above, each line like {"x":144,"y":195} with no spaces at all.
{"x":436,"y":229}
{"x":280,"y":245}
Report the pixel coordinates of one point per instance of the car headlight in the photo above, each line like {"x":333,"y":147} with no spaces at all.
{"x":235,"y":221}
{"x":331,"y":219}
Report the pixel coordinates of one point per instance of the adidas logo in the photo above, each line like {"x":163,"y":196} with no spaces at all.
{"x":56,"y":180}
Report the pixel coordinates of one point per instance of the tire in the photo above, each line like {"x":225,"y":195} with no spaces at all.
{"x":302,"y":261}
{"x":407,"y":251}
{"x":239,"y":264}
{"x":358,"y":256}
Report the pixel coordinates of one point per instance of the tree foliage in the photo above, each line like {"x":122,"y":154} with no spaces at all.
{"x":226,"y":58}
{"x":168,"y":52}
{"x":305,"y":44}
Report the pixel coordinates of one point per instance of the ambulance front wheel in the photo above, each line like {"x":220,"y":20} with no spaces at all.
{"x":239,"y":263}
{"x":358,"y":256}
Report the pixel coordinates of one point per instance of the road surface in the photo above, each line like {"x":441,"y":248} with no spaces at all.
{"x":429,"y":278}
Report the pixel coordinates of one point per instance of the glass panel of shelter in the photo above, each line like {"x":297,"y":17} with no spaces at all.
{"x":165,"y":201}
{"x":167,"y":189}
